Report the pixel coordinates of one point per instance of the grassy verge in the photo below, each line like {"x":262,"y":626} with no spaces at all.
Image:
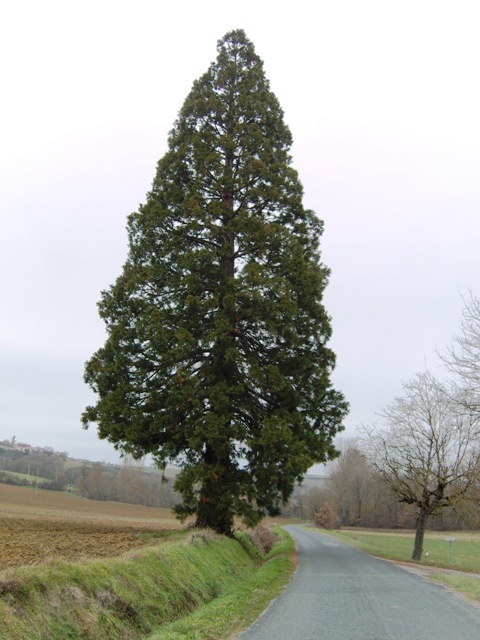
{"x":241,"y":603}
{"x":466,"y":585}
{"x":144,"y":592}
{"x":398,"y":546}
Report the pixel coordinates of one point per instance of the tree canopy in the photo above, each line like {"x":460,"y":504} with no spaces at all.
{"x":216,"y":355}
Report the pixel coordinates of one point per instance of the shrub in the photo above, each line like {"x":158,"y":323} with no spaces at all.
{"x":325,"y":518}
{"x":263,"y":538}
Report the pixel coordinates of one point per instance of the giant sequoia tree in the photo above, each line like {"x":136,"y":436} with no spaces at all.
{"x":216,"y":355}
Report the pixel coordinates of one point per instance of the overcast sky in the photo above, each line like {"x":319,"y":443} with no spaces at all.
{"x":382,"y":99}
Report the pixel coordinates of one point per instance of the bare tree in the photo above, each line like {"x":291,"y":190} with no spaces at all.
{"x":463,"y":357}
{"x":350,"y":486}
{"x":427,"y":450}
{"x":355,"y":492}
{"x":312,"y":501}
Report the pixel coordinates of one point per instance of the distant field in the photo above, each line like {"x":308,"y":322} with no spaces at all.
{"x":40,"y":525}
{"x":32,"y":479}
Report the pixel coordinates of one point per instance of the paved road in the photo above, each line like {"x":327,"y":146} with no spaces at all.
{"x":339,"y":593}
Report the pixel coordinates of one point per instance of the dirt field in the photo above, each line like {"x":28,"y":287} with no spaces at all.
{"x":38,"y":526}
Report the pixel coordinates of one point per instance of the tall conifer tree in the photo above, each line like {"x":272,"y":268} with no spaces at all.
{"x":216,"y":355}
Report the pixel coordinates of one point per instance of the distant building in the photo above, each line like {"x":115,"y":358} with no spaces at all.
{"x":28,"y":448}
{"x":22,"y":446}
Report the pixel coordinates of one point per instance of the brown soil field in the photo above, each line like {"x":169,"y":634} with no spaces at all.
{"x":40,"y":526}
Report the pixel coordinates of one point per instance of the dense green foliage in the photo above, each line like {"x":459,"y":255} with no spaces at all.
{"x":216,"y":355}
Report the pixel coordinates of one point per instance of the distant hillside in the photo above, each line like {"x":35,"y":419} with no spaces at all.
{"x":25,"y":465}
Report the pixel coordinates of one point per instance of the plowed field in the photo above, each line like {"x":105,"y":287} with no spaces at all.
{"x":38,"y":526}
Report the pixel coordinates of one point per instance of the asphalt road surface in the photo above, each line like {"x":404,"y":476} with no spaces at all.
{"x":340,"y":593}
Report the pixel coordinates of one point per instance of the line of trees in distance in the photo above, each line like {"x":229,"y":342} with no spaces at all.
{"x":355,"y":495}
{"x":129,"y":482}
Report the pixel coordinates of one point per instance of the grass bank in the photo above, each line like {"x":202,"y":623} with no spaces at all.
{"x":240,"y":604}
{"x":398,"y":546}
{"x":145,"y":593}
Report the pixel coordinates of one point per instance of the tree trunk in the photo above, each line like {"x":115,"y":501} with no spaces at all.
{"x":214,"y":507}
{"x":419,"y":534}
{"x":210,"y":515}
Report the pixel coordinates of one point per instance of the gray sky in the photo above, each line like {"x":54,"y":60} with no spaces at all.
{"x":382,"y":99}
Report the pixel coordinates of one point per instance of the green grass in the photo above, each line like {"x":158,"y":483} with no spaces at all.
{"x":144,"y":592}
{"x":399,"y":546}
{"x":464,"y":584}
{"x":241,"y":603}
{"x":32,"y":479}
